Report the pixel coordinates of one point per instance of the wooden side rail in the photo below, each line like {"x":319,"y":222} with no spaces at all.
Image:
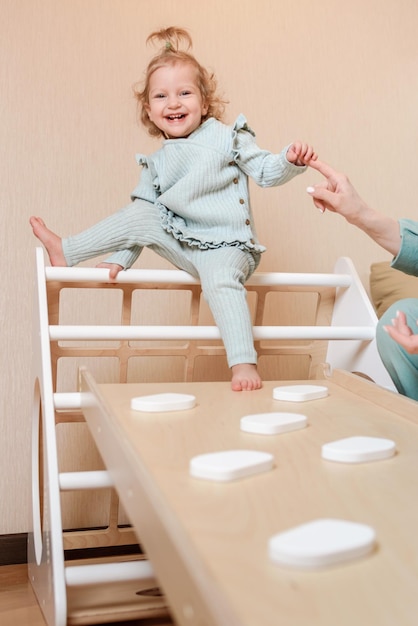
{"x":57,"y":584}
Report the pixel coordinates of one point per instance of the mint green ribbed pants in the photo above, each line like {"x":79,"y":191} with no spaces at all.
{"x":221,"y":271}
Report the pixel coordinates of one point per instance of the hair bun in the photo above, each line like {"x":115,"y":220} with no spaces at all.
{"x":172,"y":38}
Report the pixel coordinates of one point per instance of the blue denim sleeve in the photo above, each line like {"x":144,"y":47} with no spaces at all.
{"x":407,"y":258}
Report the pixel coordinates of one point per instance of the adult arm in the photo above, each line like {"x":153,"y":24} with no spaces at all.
{"x":338,"y":195}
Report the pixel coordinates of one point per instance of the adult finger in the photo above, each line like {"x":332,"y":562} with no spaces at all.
{"x":324,"y":169}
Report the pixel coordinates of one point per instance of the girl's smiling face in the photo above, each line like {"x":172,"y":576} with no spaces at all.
{"x":175,"y":103}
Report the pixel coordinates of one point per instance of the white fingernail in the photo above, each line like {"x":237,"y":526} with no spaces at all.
{"x":310,"y":189}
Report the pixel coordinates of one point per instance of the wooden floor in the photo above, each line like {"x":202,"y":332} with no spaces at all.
{"x":18,"y":605}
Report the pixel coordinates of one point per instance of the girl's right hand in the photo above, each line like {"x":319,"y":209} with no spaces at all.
{"x":113,"y":268}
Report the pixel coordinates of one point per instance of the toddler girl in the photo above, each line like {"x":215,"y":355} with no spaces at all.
{"x":191,"y":204}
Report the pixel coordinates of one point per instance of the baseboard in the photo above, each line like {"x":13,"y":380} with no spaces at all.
{"x":108,"y":551}
{"x":13,"y":549}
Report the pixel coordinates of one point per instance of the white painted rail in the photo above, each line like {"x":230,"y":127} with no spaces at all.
{"x":136,"y":333}
{"x":71,"y":481}
{"x":77,"y":575}
{"x":177,"y":277}
{"x":68,"y":400}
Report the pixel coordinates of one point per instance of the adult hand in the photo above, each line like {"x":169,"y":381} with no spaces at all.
{"x":336,"y":193}
{"x":402,"y":333}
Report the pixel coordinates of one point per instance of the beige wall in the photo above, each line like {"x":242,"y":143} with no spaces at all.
{"x":343,"y":76}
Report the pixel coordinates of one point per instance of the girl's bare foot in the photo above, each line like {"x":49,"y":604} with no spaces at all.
{"x":245,"y":377}
{"x":51,"y":242}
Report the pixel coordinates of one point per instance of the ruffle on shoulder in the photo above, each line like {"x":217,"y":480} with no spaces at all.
{"x":141,"y":159}
{"x":239,"y":126}
{"x":147,"y":162}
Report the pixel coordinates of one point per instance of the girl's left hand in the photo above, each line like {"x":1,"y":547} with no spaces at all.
{"x":300,"y":153}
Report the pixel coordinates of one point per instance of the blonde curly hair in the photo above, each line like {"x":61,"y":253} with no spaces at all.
{"x":170,"y":54}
